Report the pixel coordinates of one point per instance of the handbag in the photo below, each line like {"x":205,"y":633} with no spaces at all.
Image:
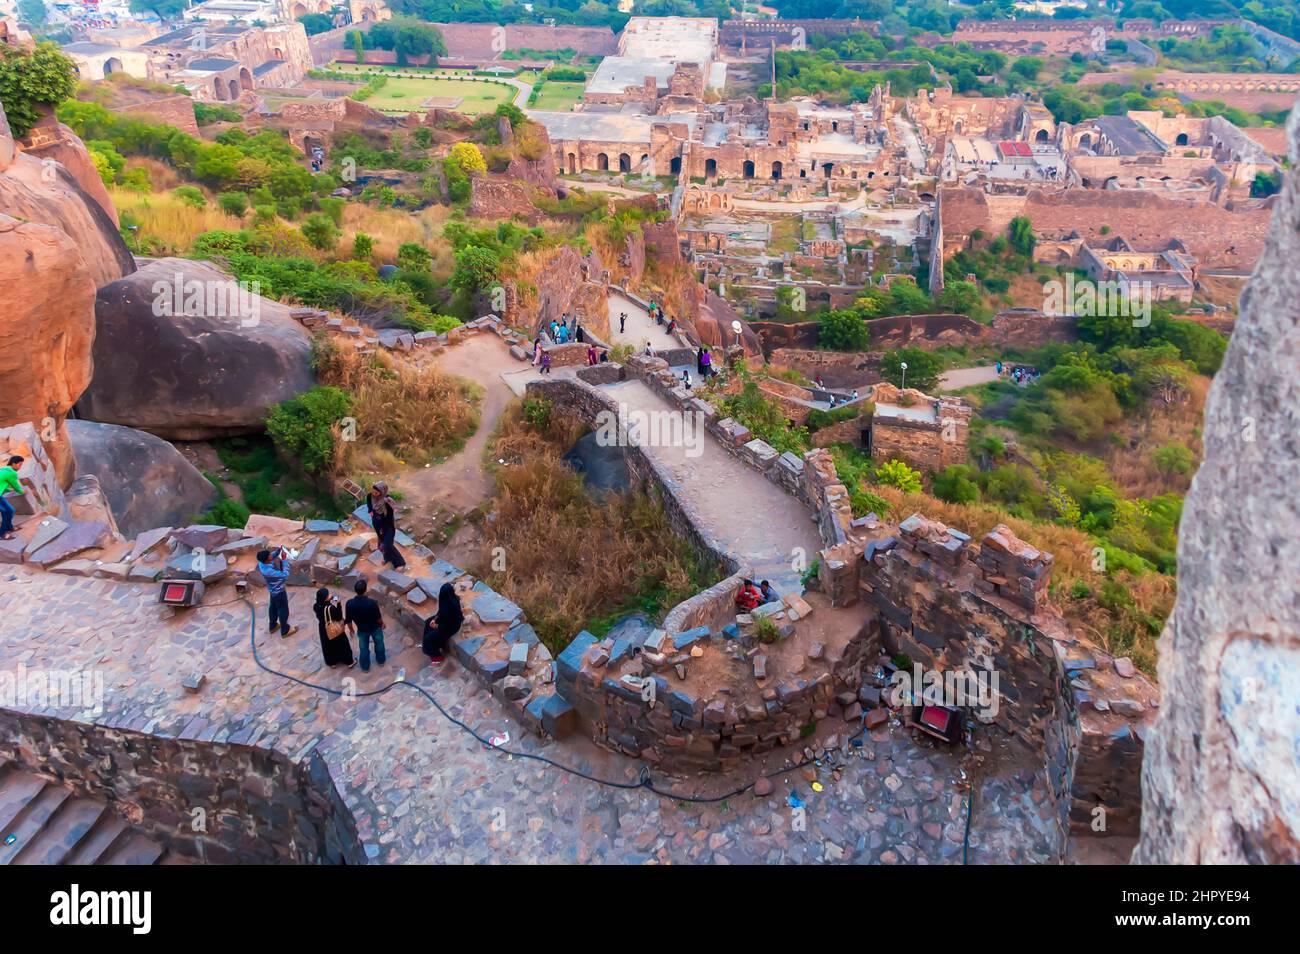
{"x":333,"y":627}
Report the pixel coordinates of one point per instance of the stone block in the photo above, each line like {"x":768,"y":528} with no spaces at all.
{"x":206,"y":537}
{"x":518,"y":658}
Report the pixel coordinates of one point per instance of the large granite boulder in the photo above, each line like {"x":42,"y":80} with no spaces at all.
{"x":50,"y":140}
{"x":147,"y":481}
{"x":1221,"y":778}
{"x":183,"y":352}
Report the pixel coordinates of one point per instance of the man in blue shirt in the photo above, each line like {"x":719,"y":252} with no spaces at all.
{"x":275,"y":573}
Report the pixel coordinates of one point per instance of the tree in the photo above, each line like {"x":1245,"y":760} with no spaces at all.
{"x":233,"y":203}
{"x":513,"y":113}
{"x":962,"y":297}
{"x":842,"y":330}
{"x":476,"y":268}
{"x":363,"y":246}
{"x":359,"y":45}
{"x":407,"y":37}
{"x":165,"y":9}
{"x":1021,"y":234}
{"x":954,"y":485}
{"x":315,"y":23}
{"x":1028,"y":67}
{"x":303,"y":428}
{"x":320,"y":231}
{"x":414,"y":256}
{"x":468,"y":157}
{"x":923,"y":369}
{"x":32,"y":81}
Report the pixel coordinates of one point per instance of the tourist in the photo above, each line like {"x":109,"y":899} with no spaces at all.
{"x":9,"y":484}
{"x":819,"y":382}
{"x":622,"y":322}
{"x":686,"y":378}
{"x":564,"y":334}
{"x":334,"y":645}
{"x":649,"y":349}
{"x":748,"y":598}
{"x":546,"y":362}
{"x":537,"y":350}
{"x":592,"y":359}
{"x":383,"y":517}
{"x":699,"y":361}
{"x":997,"y":365}
{"x":555,"y":330}
{"x":706,"y":363}
{"x":442,"y":625}
{"x":672,"y":325}
{"x":770,"y":595}
{"x":604,"y":356}
{"x":367,"y":621}
{"x":275,"y":573}
{"x":578,"y":334}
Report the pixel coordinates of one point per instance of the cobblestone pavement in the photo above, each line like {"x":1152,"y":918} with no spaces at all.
{"x":422,"y":791}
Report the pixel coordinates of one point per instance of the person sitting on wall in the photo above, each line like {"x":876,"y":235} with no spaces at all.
{"x":769,"y":593}
{"x":748,"y":598}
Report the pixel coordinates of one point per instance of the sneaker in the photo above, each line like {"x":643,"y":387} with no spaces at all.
{"x":292,"y":630}
{"x":436,"y":660}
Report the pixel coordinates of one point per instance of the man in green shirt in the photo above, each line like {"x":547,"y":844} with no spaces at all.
{"x":9,"y":482}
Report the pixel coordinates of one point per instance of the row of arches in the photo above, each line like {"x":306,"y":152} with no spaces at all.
{"x":226,"y":90}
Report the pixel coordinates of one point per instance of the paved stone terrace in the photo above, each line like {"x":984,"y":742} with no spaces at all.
{"x":422,"y":791}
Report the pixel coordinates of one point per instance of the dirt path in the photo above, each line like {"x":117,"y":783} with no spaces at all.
{"x":441,"y":494}
{"x":960,"y":378}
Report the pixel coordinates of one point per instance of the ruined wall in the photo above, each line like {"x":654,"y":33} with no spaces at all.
{"x":260,"y":806}
{"x":1221,"y":781}
{"x":176,"y":111}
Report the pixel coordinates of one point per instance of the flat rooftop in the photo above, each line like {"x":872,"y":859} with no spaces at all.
{"x":190,"y":37}
{"x":684,"y":39}
{"x":617,"y":73}
{"x":1129,"y":137}
{"x":607,"y":127}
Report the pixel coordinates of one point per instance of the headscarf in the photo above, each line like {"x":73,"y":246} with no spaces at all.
{"x":384,"y":501}
{"x":322,"y":596}
{"x":450,"y":614}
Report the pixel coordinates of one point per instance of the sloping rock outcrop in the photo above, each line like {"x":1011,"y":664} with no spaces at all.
{"x":147,"y":482}
{"x":182,"y":351}
{"x":1221,"y":780}
{"x":53,"y":140}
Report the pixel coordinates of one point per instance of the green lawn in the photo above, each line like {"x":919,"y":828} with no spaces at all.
{"x":559,"y":96}
{"x":406,"y":94}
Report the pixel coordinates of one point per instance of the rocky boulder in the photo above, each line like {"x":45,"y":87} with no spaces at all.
{"x":186,"y":353}
{"x":147,"y":481}
{"x":51,"y":141}
{"x":1221,"y":777}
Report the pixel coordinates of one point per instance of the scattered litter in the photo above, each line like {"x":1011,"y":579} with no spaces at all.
{"x":816,"y":786}
{"x":500,"y":739}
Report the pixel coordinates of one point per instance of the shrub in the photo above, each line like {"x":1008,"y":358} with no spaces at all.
{"x":233,"y":203}
{"x":895,"y":473}
{"x":32,"y":80}
{"x":305,"y":428}
{"x":363,"y":246}
{"x":1173,"y":458}
{"x":923,"y":368}
{"x":468,"y":157}
{"x":191,"y":196}
{"x":954,"y":485}
{"x":320,"y":231}
{"x":842,"y":330}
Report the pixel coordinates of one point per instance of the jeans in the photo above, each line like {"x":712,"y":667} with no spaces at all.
{"x":363,"y":642}
{"x":279,"y":610}
{"x":6,"y":515}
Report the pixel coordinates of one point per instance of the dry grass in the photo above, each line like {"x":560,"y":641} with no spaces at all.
{"x":161,"y":175}
{"x":1131,"y":462}
{"x":389,"y":228}
{"x":163,"y":216}
{"x":1123,"y":613}
{"x":402,"y":412}
{"x":574,"y":561}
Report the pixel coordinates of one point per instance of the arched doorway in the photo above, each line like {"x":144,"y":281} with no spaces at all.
{"x":218,"y":88}
{"x":747,"y":170}
{"x":277,"y":54}
{"x":573,"y":163}
{"x":828,"y":169}
{"x":624,"y":162}
{"x":675,"y":165}
{"x":1042,"y":136}
{"x":1181,"y":140}
{"x":776,"y":169}
{"x":112,"y":65}
{"x":602,"y":162}
{"x":245,"y":78}
{"x":1085,"y":141}
{"x":710,"y":168}
{"x":234,"y":89}
{"x":300,"y":10}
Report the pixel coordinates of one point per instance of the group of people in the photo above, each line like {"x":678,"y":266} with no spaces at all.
{"x":750,"y":596}
{"x":1021,"y":373}
{"x":361,"y":617}
{"x":704,"y":363}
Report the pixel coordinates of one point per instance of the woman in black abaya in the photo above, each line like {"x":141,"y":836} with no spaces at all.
{"x":442,"y":625}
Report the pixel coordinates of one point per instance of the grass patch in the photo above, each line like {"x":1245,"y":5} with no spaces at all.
{"x":574,"y":561}
{"x":267,"y":486}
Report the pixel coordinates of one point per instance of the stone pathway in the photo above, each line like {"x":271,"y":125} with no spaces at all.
{"x":422,"y":791}
{"x":960,"y":378}
{"x":640,"y":326}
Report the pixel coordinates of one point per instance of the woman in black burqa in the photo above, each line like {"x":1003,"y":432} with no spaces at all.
{"x":383,"y":516}
{"x":442,"y":625}
{"x":337,"y":651}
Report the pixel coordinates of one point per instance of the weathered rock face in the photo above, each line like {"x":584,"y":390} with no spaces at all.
{"x":44,"y":191}
{"x":1221,"y":779}
{"x":56,"y":245}
{"x":182,"y":352}
{"x":51,"y":140}
{"x":147,"y":481}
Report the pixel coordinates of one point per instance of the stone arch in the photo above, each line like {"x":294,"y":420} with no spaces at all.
{"x":1042,"y":136}
{"x":715,"y":201}
{"x":573,"y":163}
{"x":277,"y":54}
{"x":602,"y":162}
{"x":1111,"y":183}
{"x":835,"y":125}
{"x":245,"y":78}
{"x":112,"y":65}
{"x":675,"y":165}
{"x":218,"y":87}
{"x":641,"y":163}
{"x":299,"y":10}
{"x":710,"y":168}
{"x":776,"y":169}
{"x":234,"y":88}
{"x":1085,"y":141}
{"x":747,"y":169}
{"x":624,"y":162}
{"x":1181,"y":139}
{"x":828,"y":169}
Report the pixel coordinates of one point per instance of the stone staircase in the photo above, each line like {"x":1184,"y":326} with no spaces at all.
{"x":43,"y":823}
